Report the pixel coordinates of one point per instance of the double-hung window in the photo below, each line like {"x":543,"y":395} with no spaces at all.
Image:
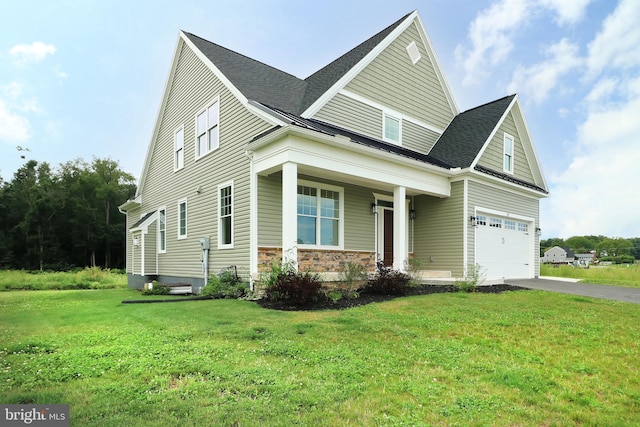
{"x":391,"y":129}
{"x":319,"y":215}
{"x":162,"y":230}
{"x":508,"y":153}
{"x":182,"y":219}
{"x":178,"y":149}
{"x":208,"y":129}
{"x":225,"y":216}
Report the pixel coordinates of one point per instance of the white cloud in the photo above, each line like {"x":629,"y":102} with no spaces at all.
{"x":595,"y":195}
{"x":491,"y":38}
{"x":13,"y":127}
{"x":539,"y":79}
{"x":601,"y":92}
{"x":617,"y":45}
{"x":568,"y":11}
{"x":31,"y":53}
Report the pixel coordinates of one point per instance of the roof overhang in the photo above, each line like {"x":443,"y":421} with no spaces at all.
{"x":336,"y":157}
{"x":143,"y":224}
{"x":130,"y":204}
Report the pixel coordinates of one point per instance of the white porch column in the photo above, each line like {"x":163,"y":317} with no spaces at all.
{"x":400,"y":253}
{"x":290,"y":213}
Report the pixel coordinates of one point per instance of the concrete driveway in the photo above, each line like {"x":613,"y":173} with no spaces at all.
{"x":585,"y":289}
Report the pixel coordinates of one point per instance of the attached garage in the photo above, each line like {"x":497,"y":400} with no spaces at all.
{"x":504,"y":246}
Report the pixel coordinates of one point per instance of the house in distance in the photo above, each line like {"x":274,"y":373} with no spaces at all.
{"x":367,"y":159}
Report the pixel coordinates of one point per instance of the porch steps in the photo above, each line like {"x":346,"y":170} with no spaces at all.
{"x":179,"y":288}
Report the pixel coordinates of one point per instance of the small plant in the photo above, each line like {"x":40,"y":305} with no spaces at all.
{"x":156,"y":288}
{"x":225,"y":285}
{"x":354,"y":277}
{"x":472,"y":279}
{"x":335,"y":295}
{"x":388,"y":281}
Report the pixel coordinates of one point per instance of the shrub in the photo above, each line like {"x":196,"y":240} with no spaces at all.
{"x":292,"y":287}
{"x":157,"y":289}
{"x":354,"y":276}
{"x":388,"y":281}
{"x":226,"y":285}
{"x":472,"y":279}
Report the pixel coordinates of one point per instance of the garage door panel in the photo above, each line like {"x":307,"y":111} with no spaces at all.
{"x":503,"y":247}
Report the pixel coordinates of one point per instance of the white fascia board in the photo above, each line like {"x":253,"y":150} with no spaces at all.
{"x":436,"y":65}
{"x":130,"y":204}
{"x":392,"y":112}
{"x":340,"y":155}
{"x":156,"y":127}
{"x":145,"y":225}
{"x":331,"y":92}
{"x":518,"y":110}
{"x":493,"y":133}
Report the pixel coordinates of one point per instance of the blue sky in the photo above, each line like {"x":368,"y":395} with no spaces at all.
{"x":85,"y":78}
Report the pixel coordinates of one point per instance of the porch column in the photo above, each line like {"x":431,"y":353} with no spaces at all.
{"x":290,"y":213}
{"x":400,"y":253}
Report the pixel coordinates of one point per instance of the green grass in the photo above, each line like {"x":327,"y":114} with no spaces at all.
{"x":615,"y":275}
{"x":89,"y":278}
{"x":520,"y":358}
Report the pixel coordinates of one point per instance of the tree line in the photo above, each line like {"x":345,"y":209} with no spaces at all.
{"x":606,"y":248}
{"x":62,"y":218}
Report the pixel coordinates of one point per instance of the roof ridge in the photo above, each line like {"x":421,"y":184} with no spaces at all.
{"x":488,"y":103}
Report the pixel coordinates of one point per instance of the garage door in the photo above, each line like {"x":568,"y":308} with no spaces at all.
{"x":504,"y":247}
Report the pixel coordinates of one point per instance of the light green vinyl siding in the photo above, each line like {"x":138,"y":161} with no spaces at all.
{"x":192,"y":87}
{"x":490,"y":197}
{"x":413,"y":90}
{"x":359,"y":222}
{"x":438,"y":227}
{"x":493,"y":155}
{"x":353,"y":115}
{"x":418,"y":138}
{"x":150,"y":250}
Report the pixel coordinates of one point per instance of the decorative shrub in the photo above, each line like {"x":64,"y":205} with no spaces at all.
{"x":388,"y":281}
{"x":292,"y":287}
{"x":157,"y":289}
{"x":473,"y":278}
{"x":225,"y":285}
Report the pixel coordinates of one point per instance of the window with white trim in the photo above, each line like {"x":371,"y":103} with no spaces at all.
{"x":509,"y":225}
{"x":207,"y":129}
{"x":225,"y":216}
{"x":391,"y":129}
{"x":508,"y":153}
{"x":162,"y":230}
{"x":522,"y":226}
{"x":182,"y":219}
{"x":319,"y":215}
{"x":178,"y":149}
{"x":481,"y":220}
{"x":495,"y":222}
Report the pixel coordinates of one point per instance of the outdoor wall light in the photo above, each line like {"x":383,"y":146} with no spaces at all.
{"x":538,"y":231}
{"x":473,"y":220}
{"x":374,"y":208}
{"x":412,"y":214}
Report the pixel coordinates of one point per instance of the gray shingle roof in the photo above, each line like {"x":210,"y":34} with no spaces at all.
{"x":270,"y":86}
{"x":468,"y":131}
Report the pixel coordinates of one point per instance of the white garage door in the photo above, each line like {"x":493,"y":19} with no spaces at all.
{"x":504,"y":247}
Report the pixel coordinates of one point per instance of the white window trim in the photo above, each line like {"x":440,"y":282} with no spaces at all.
{"x":504,"y":152}
{"x":159,"y":250}
{"x":186,"y":219}
{"x":204,"y":110}
{"x":340,"y":190}
{"x":386,"y":114}
{"x":220,"y":244}
{"x":175,"y":149}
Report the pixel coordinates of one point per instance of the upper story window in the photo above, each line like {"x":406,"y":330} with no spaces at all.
{"x":508,"y":153}
{"x":391,"y":129}
{"x":207,"y":129}
{"x":182,"y":219}
{"x":162,"y":230}
{"x":225,"y":216}
{"x":178,"y":149}
{"x":319,"y":215}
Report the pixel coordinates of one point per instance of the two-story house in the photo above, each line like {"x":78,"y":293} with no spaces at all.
{"x":368,"y":158}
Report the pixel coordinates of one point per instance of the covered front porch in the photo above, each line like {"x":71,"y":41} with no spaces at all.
{"x":322,"y":200}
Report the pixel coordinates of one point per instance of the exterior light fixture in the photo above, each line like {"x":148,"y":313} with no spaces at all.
{"x":412,"y":214}
{"x":473,"y":220}
{"x":538,"y":231}
{"x":374,"y":208}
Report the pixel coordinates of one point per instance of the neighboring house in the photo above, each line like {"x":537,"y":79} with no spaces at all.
{"x":559,"y":255}
{"x":368,"y":158}
{"x":586,"y":259}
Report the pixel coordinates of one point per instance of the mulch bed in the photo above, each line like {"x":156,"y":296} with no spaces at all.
{"x":368,"y":298}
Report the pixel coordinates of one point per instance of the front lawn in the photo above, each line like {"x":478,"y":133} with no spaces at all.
{"x":518,"y":358}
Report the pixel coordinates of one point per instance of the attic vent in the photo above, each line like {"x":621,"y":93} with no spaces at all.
{"x":413,"y":52}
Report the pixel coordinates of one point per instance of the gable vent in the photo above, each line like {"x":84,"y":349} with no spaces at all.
{"x":414,"y":53}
